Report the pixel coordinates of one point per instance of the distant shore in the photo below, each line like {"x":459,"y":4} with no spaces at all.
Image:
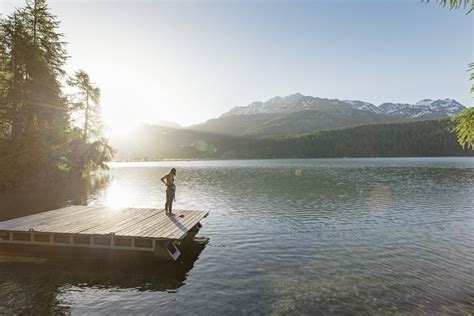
{"x":292,"y":158}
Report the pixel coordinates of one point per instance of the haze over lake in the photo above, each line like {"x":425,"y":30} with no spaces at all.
{"x":340,"y":236}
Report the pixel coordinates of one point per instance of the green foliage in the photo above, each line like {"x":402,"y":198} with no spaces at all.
{"x":37,"y":140}
{"x":455,"y":4}
{"x":33,"y":157}
{"x":86,"y":103}
{"x":471,"y":69}
{"x":85,"y":157}
{"x":465,"y":128}
{"x":411,"y":139}
{"x":465,"y":119}
{"x":33,"y":55}
{"x":425,"y":138}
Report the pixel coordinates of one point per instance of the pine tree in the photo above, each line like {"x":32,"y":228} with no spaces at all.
{"x":465,"y":120}
{"x":456,"y":4}
{"x":87,"y":102}
{"x":33,"y":55}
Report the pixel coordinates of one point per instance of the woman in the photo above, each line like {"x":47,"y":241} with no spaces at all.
{"x":170,"y":190}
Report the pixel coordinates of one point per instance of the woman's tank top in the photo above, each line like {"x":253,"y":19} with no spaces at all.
{"x":170,"y":181}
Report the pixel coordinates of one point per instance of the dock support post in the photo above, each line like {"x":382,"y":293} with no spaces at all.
{"x":196,"y":227}
{"x":167,"y":250}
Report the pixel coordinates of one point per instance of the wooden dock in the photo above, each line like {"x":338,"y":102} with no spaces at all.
{"x":143,"y":230}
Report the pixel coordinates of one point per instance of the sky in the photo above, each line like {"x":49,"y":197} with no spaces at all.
{"x":189,"y":61}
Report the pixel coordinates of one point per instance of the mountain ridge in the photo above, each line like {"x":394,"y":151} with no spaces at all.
{"x":298,"y":114}
{"x":426,"y":108}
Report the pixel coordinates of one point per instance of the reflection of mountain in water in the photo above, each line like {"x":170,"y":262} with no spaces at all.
{"x":32,"y":288}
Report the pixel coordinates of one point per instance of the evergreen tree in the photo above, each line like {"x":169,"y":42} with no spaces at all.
{"x":465,"y":120}
{"x":37,"y":141}
{"x":465,"y":128}
{"x":33,"y":55}
{"x":86,"y":101}
{"x":456,"y":4}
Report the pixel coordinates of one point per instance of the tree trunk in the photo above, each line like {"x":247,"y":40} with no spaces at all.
{"x":86,"y":118}
{"x":34,"y":23}
{"x":16,"y":130}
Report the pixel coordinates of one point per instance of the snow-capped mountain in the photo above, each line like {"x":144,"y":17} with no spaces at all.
{"x":404,"y":110}
{"x":298,"y":114}
{"x":446,"y":106}
{"x":424,"y":109}
{"x":289,"y":104}
{"x":363,"y":106}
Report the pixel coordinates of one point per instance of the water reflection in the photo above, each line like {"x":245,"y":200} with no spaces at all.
{"x":32,"y":287}
{"x":22,"y":202}
{"x":380,"y":198}
{"x":348,"y":236}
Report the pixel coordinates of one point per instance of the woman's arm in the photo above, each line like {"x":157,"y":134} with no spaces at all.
{"x":163,"y":179}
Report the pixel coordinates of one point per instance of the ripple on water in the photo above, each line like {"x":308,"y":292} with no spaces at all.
{"x":347,"y":236}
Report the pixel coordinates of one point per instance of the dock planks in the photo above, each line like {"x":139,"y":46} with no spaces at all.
{"x":89,"y":230}
{"x":96,"y":220}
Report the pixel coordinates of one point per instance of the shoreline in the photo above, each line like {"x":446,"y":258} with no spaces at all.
{"x":293,"y":158}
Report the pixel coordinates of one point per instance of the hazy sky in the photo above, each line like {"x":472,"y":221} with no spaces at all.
{"x":188,"y":61}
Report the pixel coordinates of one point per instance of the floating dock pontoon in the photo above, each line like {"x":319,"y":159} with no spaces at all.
{"x":86,"y":230}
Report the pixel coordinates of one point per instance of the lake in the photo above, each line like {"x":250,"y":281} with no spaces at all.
{"x":353,"y":236}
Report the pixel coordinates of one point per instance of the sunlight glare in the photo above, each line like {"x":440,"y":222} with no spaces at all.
{"x":117,"y":196}
{"x":119,"y":127}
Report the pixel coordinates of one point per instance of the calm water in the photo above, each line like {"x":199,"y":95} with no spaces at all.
{"x":351,"y":236}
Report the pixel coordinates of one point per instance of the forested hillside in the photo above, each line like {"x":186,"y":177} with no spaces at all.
{"x":423,"y":139}
{"x":409,"y":139}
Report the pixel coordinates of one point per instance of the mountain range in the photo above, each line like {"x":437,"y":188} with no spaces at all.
{"x":299,"y":114}
{"x":427,"y":108}
{"x":245,"y":131}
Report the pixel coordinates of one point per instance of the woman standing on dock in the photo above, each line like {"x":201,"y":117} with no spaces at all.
{"x":170,"y":190}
